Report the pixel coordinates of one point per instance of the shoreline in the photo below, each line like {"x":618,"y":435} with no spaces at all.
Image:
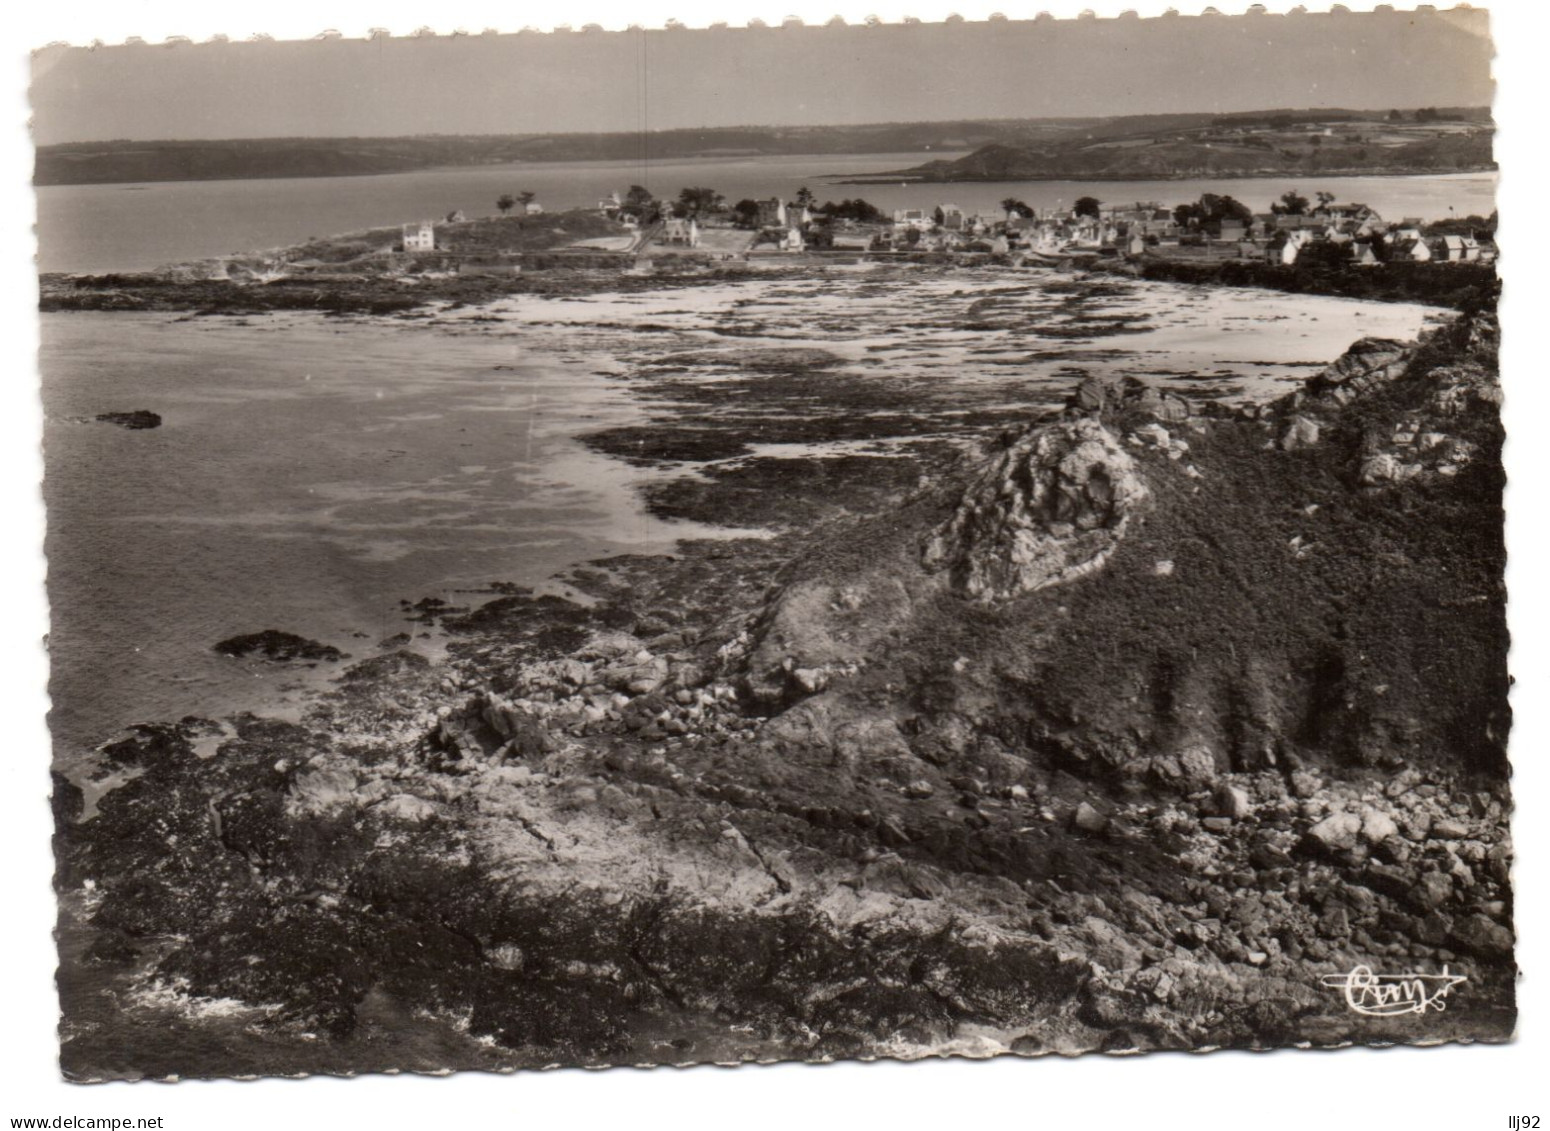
{"x":911,"y":176}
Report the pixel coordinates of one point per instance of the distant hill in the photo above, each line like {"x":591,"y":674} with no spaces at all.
{"x":1137,"y":146}
{"x":1266,"y":144}
{"x":108,"y":162}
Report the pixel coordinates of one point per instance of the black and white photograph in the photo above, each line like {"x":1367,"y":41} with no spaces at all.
{"x":776,"y":541}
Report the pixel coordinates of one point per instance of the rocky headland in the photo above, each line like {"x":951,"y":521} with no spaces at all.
{"x":1120,"y":731}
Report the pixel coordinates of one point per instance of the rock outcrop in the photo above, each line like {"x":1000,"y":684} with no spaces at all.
{"x":1048,"y":510}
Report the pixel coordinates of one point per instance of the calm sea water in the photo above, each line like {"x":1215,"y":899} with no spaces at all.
{"x":308,"y":474}
{"x":83,"y":228}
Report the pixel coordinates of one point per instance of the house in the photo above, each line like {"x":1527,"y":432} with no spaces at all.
{"x":1284,"y":246}
{"x":1409,"y":249}
{"x":952,"y":217}
{"x":792,"y":240}
{"x":852,"y":243}
{"x":682,"y":231}
{"x":533,"y":208}
{"x":1456,"y":249}
{"x":456,"y":217}
{"x":611,"y":206}
{"x":420,"y":237}
{"x":772,"y":213}
{"x":916,"y":218}
{"x":1365,"y":256}
{"x":1356,"y":215}
{"x":1233,"y":231}
{"x":1137,"y":244}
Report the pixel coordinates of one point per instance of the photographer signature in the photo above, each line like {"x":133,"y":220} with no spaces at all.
{"x":1389,"y":995}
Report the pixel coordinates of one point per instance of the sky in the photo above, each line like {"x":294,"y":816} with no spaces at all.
{"x":587,"y":81}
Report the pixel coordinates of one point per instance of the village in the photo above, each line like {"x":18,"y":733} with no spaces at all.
{"x":701,"y":226}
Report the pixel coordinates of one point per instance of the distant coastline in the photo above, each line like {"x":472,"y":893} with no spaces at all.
{"x":1132,"y":147}
{"x":1186,"y":175}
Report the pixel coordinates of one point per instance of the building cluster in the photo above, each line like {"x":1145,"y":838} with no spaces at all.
{"x":1287,"y":239}
{"x":420,"y":236}
{"x":1132,"y":230}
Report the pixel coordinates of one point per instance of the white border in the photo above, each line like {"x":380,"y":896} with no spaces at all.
{"x":1415,"y":1088}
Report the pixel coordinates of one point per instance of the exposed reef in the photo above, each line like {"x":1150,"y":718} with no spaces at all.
{"x":281,"y":647}
{"x":138,"y":419}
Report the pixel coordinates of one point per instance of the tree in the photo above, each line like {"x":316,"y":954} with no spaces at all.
{"x":525,"y":197}
{"x":746,"y":213}
{"x":505,"y":202}
{"x":1088,"y":206}
{"x":1396,"y":116}
{"x":1324,"y":255}
{"x":698,"y":200}
{"x":939,"y":217}
{"x":805,"y":198}
{"x":1210,"y":210}
{"x":1325,"y":199}
{"x":1291,"y":203}
{"x":858,"y":210}
{"x":640,"y":201}
{"x":1015,"y":208}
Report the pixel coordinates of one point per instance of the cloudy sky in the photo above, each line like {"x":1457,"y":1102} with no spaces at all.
{"x":608,"y":81}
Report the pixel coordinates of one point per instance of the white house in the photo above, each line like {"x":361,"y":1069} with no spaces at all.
{"x":1409,"y":246}
{"x":1283,"y":248}
{"x":916,"y":218}
{"x":420,"y":237}
{"x":533,"y":208}
{"x":1457,"y":249}
{"x":681,"y":231}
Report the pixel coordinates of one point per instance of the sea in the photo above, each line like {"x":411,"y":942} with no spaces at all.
{"x":134,"y":227}
{"x":308,"y":475}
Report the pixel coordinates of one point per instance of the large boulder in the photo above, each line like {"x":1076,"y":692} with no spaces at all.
{"x":1049,"y":509}
{"x":1367,"y":364}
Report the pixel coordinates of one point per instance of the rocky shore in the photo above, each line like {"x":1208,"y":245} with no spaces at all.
{"x":1120,"y":730}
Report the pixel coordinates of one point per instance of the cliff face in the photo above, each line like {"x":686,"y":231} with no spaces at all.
{"x":1123,"y":737}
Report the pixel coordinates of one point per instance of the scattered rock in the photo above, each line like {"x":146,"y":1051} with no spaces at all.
{"x":1377,"y":826}
{"x":1337,"y":832}
{"x":1476,"y":933}
{"x":279,"y":647}
{"x":1088,"y":819}
{"x":1232,"y":802}
{"x":1431,"y":891}
{"x":1300,"y":433}
{"x":136,"y":420}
